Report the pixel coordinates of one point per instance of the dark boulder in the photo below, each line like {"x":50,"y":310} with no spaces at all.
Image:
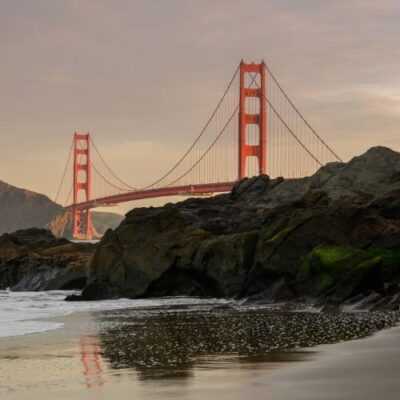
{"x":33,"y":259}
{"x":278,"y":291}
{"x":389,"y":303}
{"x":183,"y":282}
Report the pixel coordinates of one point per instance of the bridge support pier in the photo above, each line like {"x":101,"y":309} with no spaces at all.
{"x":82,"y":224}
{"x":252,"y":85}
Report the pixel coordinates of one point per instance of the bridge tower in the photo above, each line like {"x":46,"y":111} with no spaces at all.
{"x":82,"y":223}
{"x":252,"y":86}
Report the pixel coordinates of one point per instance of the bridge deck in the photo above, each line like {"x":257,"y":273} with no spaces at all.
{"x":187,"y":190}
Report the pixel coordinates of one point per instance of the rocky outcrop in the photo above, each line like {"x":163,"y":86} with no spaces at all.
{"x":24,"y":209}
{"x":326,"y":239}
{"x":34,"y":259}
{"x":367,"y":176}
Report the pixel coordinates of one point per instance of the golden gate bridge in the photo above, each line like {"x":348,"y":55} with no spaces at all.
{"x":254,"y":129}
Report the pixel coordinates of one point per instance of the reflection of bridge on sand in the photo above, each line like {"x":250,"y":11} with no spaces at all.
{"x":91,"y":360}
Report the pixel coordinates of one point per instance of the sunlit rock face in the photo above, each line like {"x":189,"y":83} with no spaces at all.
{"x":328,"y":237}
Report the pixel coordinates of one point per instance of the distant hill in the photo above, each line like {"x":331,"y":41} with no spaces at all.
{"x":22,"y":209}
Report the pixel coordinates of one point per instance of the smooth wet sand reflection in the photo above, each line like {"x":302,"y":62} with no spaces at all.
{"x":173,"y":353}
{"x":92,"y":361}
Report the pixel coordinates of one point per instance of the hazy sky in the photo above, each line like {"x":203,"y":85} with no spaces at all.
{"x":143,"y":76}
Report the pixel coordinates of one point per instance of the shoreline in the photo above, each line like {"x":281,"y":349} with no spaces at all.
{"x":68,"y":363}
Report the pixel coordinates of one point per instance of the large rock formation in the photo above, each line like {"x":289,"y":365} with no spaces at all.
{"x":332,"y":236}
{"x":23,"y":209}
{"x":34,"y":259}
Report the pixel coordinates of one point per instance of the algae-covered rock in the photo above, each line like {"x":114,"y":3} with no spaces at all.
{"x":343,"y":272}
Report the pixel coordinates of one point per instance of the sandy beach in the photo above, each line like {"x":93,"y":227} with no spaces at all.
{"x":357,"y":370}
{"x":71,"y":363}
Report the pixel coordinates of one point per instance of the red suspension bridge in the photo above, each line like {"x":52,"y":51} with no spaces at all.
{"x":254,"y":129}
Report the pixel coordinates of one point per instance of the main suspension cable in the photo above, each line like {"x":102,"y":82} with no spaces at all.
{"x":209,"y":148}
{"x":292,"y":133}
{"x":200,"y":135}
{"x":106,"y":180}
{"x":301,"y":116}
{"x":108,"y":168}
{"x":65,"y":171}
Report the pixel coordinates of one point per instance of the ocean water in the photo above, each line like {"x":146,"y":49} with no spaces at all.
{"x":24,"y":313}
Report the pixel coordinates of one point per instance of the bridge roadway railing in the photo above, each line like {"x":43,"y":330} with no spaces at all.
{"x":187,"y":190}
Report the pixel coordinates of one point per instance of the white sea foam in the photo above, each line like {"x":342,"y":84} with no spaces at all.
{"x":22,"y":313}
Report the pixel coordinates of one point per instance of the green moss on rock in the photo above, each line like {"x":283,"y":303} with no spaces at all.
{"x":339,"y":258}
{"x":330,"y":263}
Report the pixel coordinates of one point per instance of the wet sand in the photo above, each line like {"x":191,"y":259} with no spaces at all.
{"x":356,"y":370}
{"x":71,"y":363}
